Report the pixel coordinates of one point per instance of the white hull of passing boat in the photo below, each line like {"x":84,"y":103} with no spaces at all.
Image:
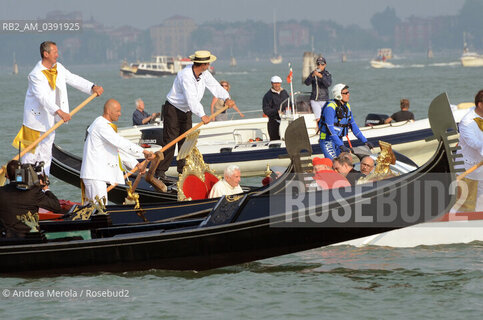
{"x":376,"y":64}
{"x":474,"y":60}
{"x":451,"y":229}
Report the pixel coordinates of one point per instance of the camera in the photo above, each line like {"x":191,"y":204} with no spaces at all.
{"x":28,"y":175}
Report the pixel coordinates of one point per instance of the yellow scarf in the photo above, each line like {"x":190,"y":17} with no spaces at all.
{"x":25,"y":136}
{"x":51,"y":75}
{"x":479,"y":122}
{"x":113,"y":126}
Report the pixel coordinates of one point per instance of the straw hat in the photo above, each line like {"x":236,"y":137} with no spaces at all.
{"x":202,"y":56}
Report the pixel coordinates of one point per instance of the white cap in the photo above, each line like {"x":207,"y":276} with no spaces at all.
{"x":276,"y":79}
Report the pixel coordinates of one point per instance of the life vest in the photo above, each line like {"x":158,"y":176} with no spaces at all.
{"x":343,"y":119}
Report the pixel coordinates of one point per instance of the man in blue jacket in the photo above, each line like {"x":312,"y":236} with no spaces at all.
{"x":335,"y":121}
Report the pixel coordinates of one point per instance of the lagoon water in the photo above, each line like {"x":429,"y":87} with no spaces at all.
{"x":436,"y":282}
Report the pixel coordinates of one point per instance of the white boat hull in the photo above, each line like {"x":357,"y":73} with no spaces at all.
{"x":376,"y":64}
{"x":461,"y":228}
{"x":472,"y":61}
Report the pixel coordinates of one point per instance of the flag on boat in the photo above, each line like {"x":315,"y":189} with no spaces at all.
{"x":289,"y":77}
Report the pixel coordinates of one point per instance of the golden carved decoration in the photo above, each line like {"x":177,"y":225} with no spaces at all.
{"x":86,"y":212}
{"x":30,"y":220}
{"x":233,"y":197}
{"x":132,"y":197}
{"x":384,"y":161}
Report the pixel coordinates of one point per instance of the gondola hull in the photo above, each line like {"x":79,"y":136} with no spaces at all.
{"x":284,"y":218}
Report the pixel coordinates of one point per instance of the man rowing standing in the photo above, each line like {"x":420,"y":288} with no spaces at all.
{"x":46,"y":101}
{"x":105,"y":152}
{"x":183,"y":99}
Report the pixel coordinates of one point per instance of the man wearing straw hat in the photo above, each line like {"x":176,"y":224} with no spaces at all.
{"x":46,"y":102}
{"x":183,"y":99}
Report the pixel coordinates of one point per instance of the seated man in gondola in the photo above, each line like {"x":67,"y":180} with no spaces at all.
{"x":343,"y":165}
{"x":325,"y":177}
{"x":16,"y":201}
{"x":229,"y":185}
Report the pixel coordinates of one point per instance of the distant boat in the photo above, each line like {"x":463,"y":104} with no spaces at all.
{"x":343,"y":58}
{"x":276,"y":58}
{"x":233,"y":62}
{"x":470,"y":58}
{"x":158,"y":66}
{"x":15,"y":66}
{"x":430,"y":53}
{"x":380,"y":61}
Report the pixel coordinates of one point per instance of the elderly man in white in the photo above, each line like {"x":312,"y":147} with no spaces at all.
{"x":471,"y":143}
{"x":229,"y":185}
{"x":45,"y":99}
{"x":104,"y":150}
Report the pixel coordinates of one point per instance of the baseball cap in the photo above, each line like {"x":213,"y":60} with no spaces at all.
{"x":276,"y":79}
{"x":320,"y":60}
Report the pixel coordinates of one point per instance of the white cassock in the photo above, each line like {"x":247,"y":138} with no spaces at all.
{"x":471,"y":143}
{"x":100,"y":162}
{"x":223,"y":188}
{"x":41,"y":104}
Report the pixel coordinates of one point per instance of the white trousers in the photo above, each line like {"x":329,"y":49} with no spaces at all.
{"x":317,"y":107}
{"x":95,"y":188}
{"x":43,"y":152}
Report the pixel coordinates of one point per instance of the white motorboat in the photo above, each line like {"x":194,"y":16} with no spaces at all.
{"x":453,"y":228}
{"x":470,"y":58}
{"x":159,"y":66}
{"x":245,"y":142}
{"x":380,"y":64}
{"x":381,"y":61}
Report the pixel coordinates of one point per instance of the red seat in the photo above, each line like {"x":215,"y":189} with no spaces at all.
{"x":196,"y":189}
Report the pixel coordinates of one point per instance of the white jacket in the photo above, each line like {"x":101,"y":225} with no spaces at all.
{"x":41,"y":102}
{"x":100,"y":160}
{"x":471,"y":143}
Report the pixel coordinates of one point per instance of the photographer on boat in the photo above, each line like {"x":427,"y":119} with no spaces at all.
{"x":320,"y":79}
{"x":26,"y":191}
{"x":335,"y":121}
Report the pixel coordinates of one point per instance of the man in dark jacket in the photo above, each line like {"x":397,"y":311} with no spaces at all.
{"x":275,"y":102}
{"x":321,"y":80}
{"x":15,"y":201}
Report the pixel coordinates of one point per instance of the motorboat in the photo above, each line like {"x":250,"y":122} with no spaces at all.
{"x":245,"y":142}
{"x":158,"y":66}
{"x":470,"y":58}
{"x":381,"y":61}
{"x":284,"y":218}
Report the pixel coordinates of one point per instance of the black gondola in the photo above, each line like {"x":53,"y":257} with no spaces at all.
{"x":258,"y":226}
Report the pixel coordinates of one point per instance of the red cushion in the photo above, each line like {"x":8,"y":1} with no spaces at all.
{"x":194,"y":188}
{"x":210,"y":181}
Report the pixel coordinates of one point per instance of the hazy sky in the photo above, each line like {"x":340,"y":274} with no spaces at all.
{"x":146,"y":13}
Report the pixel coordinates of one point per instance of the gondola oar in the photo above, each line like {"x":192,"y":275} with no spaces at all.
{"x":169,"y":145}
{"x":55,"y":126}
{"x":470,"y":170}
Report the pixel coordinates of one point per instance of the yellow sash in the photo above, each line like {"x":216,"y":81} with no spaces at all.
{"x":51,"y":75}
{"x":26,"y":137}
{"x":113,"y":126}
{"x":479,"y":122}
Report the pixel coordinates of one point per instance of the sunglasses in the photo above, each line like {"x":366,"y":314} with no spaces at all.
{"x":345,"y":92}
